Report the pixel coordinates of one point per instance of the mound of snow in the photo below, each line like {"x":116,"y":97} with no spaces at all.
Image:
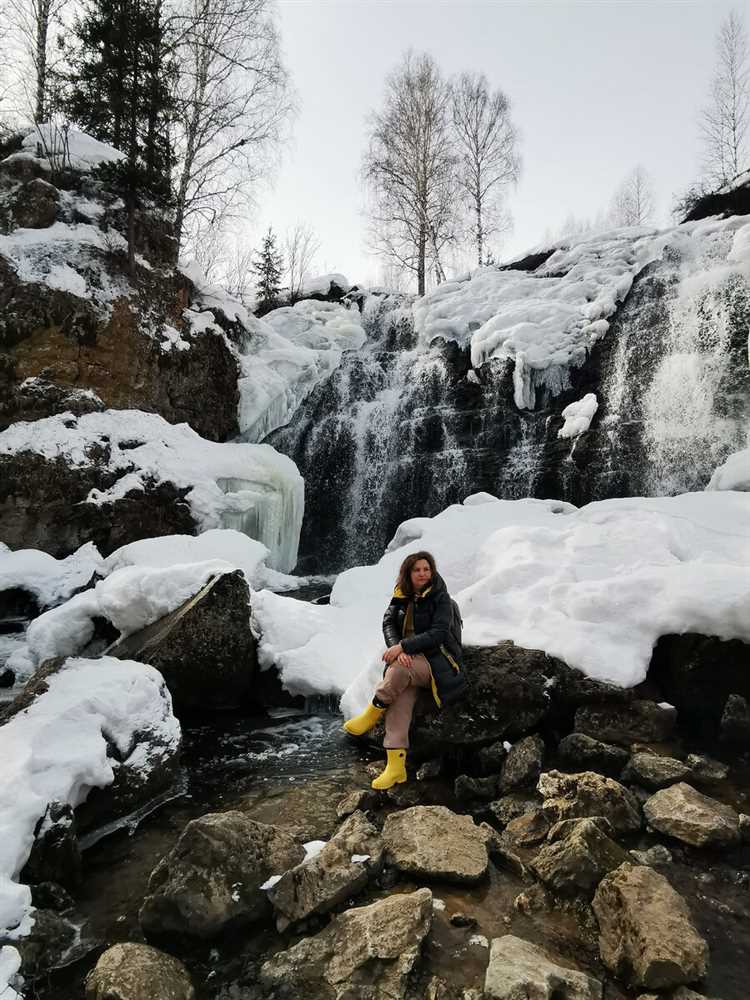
{"x":734,"y":474}
{"x":70,"y":147}
{"x":595,"y":586}
{"x":321,"y":284}
{"x":250,"y":487}
{"x":49,"y":580}
{"x":56,"y":750}
{"x":578,"y":416}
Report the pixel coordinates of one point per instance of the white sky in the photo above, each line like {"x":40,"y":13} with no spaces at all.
{"x":595,"y":88}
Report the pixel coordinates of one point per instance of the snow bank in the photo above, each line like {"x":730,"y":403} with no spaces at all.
{"x":286,"y":355}
{"x":49,"y":580}
{"x":249,"y":487}
{"x":321,"y":284}
{"x":214,"y":297}
{"x":595,"y":586}
{"x":734,"y":474}
{"x":70,"y":147}
{"x":578,"y":416}
{"x":56,"y":751}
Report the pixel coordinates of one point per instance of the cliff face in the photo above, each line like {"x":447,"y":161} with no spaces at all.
{"x":78,"y":332}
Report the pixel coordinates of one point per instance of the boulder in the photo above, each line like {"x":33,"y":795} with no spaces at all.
{"x":53,"y":942}
{"x":582,"y":752}
{"x":654,"y":772}
{"x":519,"y":970}
{"x":529,"y":829}
{"x":365,"y":953}
{"x":575,"y":796}
{"x":653,"y":856}
{"x":55,"y":855}
{"x":705,"y":770}
{"x":338,"y":872}
{"x":360,"y":799}
{"x":523,"y":764}
{"x":745,"y":828}
{"x":34,"y":204}
{"x":433,"y":842}
{"x":577,"y":856}
{"x":734,"y":729}
{"x":138,"y":972}
{"x":510,"y":807}
{"x":625,"y":724}
{"x":491,"y":758}
{"x":468,"y":789}
{"x":646,"y":935}
{"x":684,"y":813}
{"x":205,"y":649}
{"x":212,"y":877}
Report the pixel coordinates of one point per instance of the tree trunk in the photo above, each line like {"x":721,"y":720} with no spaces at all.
{"x":42,"y":28}
{"x":421,"y":257}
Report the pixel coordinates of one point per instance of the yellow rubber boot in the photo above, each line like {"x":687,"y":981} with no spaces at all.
{"x":365,"y":721}
{"x":395,"y":771}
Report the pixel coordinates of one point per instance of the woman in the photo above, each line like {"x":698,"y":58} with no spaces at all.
{"x":422,"y":652}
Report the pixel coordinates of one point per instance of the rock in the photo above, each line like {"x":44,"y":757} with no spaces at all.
{"x":55,"y":855}
{"x":646,"y":935}
{"x":430,"y":769}
{"x":576,"y":796}
{"x":53,"y":942}
{"x":467,"y":789}
{"x":653,"y":771}
{"x":433,"y":842}
{"x":735,"y":722}
{"x":491,"y":758}
{"x":577,"y":856}
{"x":684,"y":813}
{"x":332,"y":876}
{"x":523,"y":764}
{"x":684,"y":993}
{"x":625,"y":724}
{"x":205,"y":649}
{"x":367,"y":952}
{"x":705,"y":770}
{"x":7,"y":678}
{"x":51,"y":896}
{"x":656,"y":855}
{"x":463,"y":920}
{"x":529,"y":829}
{"x":34,"y":205}
{"x":212,"y":877}
{"x":745,"y":827}
{"x":510,"y":807}
{"x":36,"y":398}
{"x":584,"y":753}
{"x":519,"y":970}
{"x":138,"y":972}
{"x":360,"y":799}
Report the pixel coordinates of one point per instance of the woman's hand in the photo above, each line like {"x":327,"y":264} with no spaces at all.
{"x":404,"y":659}
{"x":392,"y":653}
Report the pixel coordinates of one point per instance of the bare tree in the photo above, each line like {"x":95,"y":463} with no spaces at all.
{"x":724,"y":122}
{"x":633,"y":203}
{"x":300,"y":247}
{"x":33,"y":22}
{"x":234,"y":100}
{"x":487,"y":144}
{"x":410,"y":169}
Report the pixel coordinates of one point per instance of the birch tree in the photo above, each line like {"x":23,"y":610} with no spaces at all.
{"x":410,"y":169}
{"x":234,"y":100}
{"x":633,"y":203}
{"x":33,"y":22}
{"x":725,"y":120}
{"x":487,"y":145}
{"x":300,"y":246}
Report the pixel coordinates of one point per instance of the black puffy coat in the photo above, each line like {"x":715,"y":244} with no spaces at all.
{"x":431,"y":613}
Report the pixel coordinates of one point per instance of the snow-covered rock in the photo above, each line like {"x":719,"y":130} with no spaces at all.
{"x":733,"y":474}
{"x":48,"y":580}
{"x":578,"y":416}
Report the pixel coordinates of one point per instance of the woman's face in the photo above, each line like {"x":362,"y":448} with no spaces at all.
{"x":421,"y":574}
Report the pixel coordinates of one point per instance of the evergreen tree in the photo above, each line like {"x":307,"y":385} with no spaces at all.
{"x":268,"y":265}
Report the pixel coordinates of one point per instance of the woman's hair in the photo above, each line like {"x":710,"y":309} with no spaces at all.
{"x":403,"y":581}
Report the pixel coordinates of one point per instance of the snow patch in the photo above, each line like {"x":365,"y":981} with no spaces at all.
{"x":578,"y":416}
{"x":49,"y":580}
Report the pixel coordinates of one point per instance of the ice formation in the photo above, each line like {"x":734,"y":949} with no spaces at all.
{"x":50,"y":581}
{"x":578,"y":416}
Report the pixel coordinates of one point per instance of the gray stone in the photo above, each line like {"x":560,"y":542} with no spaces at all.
{"x":491,"y":758}
{"x":653,"y":771}
{"x":646,"y":935}
{"x":468,"y":789}
{"x":745,"y":827}
{"x":587,"y":754}
{"x":138,"y":972}
{"x":577,"y":856}
{"x":626,"y":724}
{"x":684,"y":813}
{"x":361,"y":799}
{"x":734,"y":729}
{"x":656,"y":855}
{"x":365,"y":953}
{"x":430,"y":769}
{"x":433,"y":842}
{"x":55,"y":855}
{"x":212,"y":877}
{"x":519,"y":970}
{"x":523,"y":764}
{"x":575,"y":796}
{"x":510,"y":807}
{"x":705,"y":770}
{"x":317,"y":885}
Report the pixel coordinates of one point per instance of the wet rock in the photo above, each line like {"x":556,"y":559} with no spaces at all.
{"x":463,"y":920}
{"x":51,"y":896}
{"x":433,"y":842}
{"x":467,"y":789}
{"x":360,"y":799}
{"x":577,"y":856}
{"x":684,"y":813}
{"x":52,"y":942}
{"x":407,"y":794}
{"x":34,"y":204}
{"x":138,"y":972}
{"x":705,"y":770}
{"x":55,"y":855}
{"x":529,"y":829}
{"x":744,"y":825}
{"x":535,"y":899}
{"x":646,"y":935}
{"x":365,"y":952}
{"x":7,"y":678}
{"x":430,"y":769}
{"x":510,"y":807}
{"x":205,"y":649}
{"x":585,"y":753}
{"x":520,"y":969}
{"x":685,"y":993}
{"x":735,"y":722}
{"x":523,"y":764}
{"x":332,"y":876}
{"x":576,"y":796}
{"x":491,"y":758}
{"x":653,"y":771}
{"x":625,"y":724}
{"x":654,"y":856}
{"x":212,"y":877}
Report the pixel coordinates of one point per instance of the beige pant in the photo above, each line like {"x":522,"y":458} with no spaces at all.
{"x":398,"y":690}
